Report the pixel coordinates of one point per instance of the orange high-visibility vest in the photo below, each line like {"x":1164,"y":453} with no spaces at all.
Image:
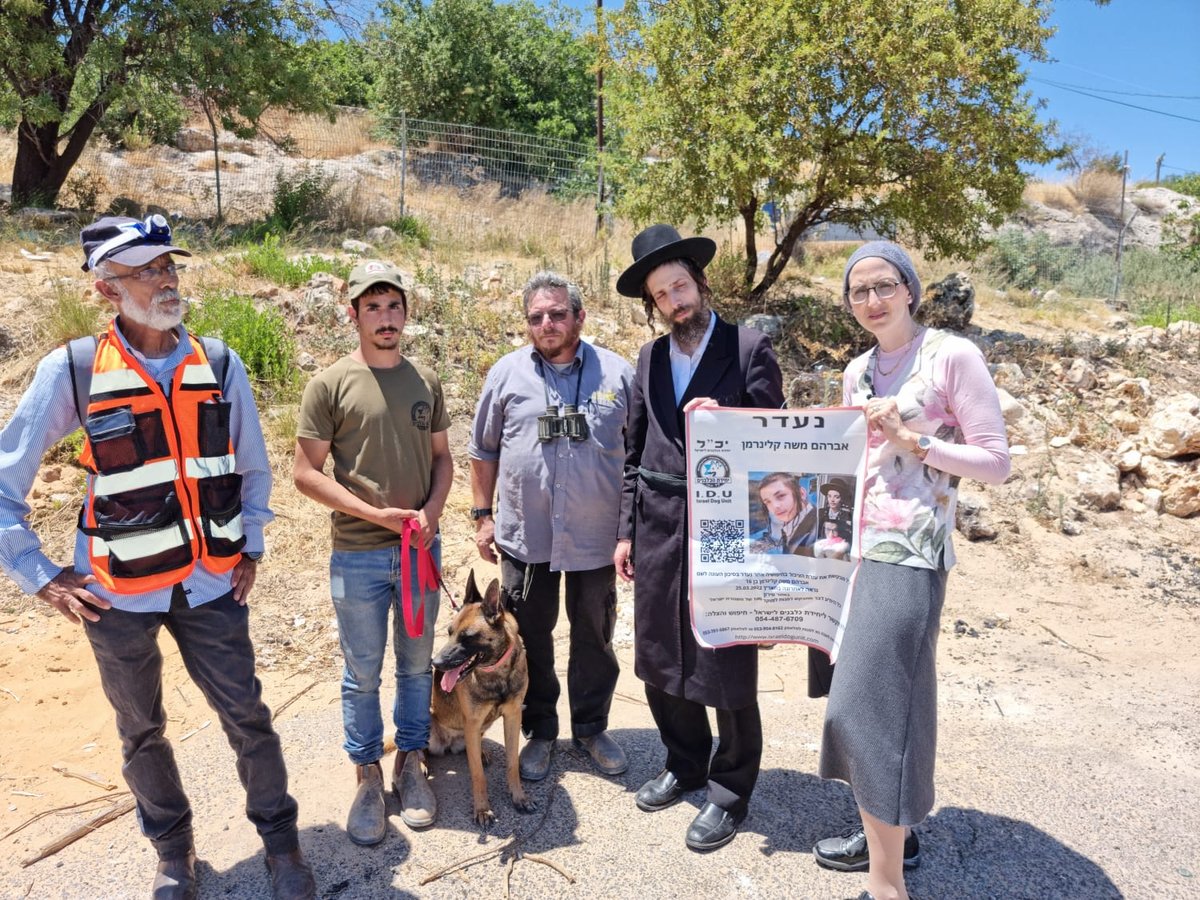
{"x":163,"y":493}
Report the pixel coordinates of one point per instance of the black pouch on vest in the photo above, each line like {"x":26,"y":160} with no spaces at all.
{"x":213,"y":427}
{"x":220,"y":504}
{"x":116,"y":441}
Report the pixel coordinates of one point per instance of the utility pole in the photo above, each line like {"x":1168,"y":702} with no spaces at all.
{"x":1158,"y":166}
{"x":600,"y":55}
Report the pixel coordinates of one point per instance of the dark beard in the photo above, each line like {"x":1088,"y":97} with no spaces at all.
{"x":689,"y":333}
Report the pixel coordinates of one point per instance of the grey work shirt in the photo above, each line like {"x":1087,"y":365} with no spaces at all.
{"x":557,"y":501}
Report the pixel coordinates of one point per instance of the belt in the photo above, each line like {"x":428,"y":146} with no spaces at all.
{"x":672,"y":485}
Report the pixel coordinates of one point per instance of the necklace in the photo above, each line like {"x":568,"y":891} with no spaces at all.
{"x":903,"y":355}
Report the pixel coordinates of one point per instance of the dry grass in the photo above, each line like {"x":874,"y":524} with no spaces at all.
{"x":313,"y":137}
{"x":1053,"y":194}
{"x":1100,"y":192}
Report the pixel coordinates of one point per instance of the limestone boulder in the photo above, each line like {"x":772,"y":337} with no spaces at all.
{"x":1178,"y":482}
{"x":1097,"y":483}
{"x":1173,"y":430}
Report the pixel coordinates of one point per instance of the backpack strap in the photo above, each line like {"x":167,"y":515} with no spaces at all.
{"x":217,"y":352}
{"x":81,"y":357}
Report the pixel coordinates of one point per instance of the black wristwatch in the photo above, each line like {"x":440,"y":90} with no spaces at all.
{"x":253,"y":557}
{"x":478,"y":512}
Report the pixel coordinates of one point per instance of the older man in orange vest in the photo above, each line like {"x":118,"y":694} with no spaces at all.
{"x":170,"y":536}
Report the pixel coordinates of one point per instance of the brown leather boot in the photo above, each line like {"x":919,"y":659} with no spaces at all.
{"x":410,"y":785}
{"x":291,"y":877}
{"x":175,"y":879}
{"x":367,"y":822}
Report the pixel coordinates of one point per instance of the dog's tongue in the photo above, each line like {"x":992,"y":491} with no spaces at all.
{"x":450,"y":679}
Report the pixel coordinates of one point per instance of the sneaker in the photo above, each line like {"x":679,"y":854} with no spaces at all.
{"x":605,"y":753}
{"x":536,"y":757}
{"x":367,"y":822}
{"x":848,"y":852}
{"x":410,"y":786}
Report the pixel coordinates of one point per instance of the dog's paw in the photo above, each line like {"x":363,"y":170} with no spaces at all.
{"x":524,"y":803}
{"x":484,"y":817}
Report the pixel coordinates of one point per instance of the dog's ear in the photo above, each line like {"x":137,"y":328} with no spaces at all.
{"x":471,"y":592}
{"x":493,"y":605}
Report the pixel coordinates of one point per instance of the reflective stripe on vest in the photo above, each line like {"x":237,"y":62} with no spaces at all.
{"x":164,"y":493}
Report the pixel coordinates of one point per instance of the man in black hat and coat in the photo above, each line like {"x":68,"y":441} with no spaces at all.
{"x":703,"y":360}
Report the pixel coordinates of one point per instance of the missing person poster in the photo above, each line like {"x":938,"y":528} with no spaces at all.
{"x":774,"y":512}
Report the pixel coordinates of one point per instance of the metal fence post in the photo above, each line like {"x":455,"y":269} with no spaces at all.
{"x":403,"y":158}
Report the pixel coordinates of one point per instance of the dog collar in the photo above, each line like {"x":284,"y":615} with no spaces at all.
{"x":500,"y":661}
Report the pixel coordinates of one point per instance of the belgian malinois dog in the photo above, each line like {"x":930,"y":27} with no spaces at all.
{"x":485,"y":676}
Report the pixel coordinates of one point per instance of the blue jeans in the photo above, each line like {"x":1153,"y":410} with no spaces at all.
{"x":214,"y":642}
{"x":365,"y":585}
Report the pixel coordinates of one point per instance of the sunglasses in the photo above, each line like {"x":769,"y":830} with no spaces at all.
{"x":557,"y":316}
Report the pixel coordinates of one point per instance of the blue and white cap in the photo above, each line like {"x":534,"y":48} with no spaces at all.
{"x":127,"y":241}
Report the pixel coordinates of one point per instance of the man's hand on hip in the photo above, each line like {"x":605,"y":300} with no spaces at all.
{"x":485,"y":538}
{"x":67,"y":592}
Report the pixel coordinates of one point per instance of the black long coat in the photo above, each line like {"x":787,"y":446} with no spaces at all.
{"x":738,"y":369}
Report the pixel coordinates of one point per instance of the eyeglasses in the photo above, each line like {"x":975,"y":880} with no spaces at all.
{"x":884,"y":290}
{"x":557,"y":316}
{"x":154,"y":273}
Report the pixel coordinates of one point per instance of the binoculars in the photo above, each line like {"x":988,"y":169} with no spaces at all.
{"x":572,"y":424}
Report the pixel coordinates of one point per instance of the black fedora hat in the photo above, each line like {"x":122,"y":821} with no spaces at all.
{"x":659,"y":244}
{"x":839,"y":485}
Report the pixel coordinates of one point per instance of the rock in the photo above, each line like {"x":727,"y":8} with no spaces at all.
{"x":771,"y":326}
{"x":1051,"y":296}
{"x":1153,"y":499}
{"x":1118,"y":323}
{"x":1185,"y":329}
{"x":1070,"y":528}
{"x":38,"y":217}
{"x":7,"y":343}
{"x":1008,"y":375}
{"x":1158,"y":201}
{"x":267,"y":293}
{"x":1126,"y":423}
{"x":1081,"y":376}
{"x":1129,"y":460}
{"x":51,"y":474}
{"x":948,"y":303}
{"x":1010,"y":407}
{"x":126,"y":206}
{"x":1179,"y":483}
{"x":1174,"y":429}
{"x":415,"y":330}
{"x":193,"y":140}
{"x":1099,"y":484}
{"x":357,"y":247}
{"x":381,"y":234}
{"x":1059,"y":441}
{"x":306,"y":361}
{"x":971,"y":520}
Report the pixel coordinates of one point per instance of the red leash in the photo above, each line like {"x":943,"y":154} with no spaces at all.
{"x":428,"y":578}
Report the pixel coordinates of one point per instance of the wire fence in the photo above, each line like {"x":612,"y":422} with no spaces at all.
{"x":464,"y":182}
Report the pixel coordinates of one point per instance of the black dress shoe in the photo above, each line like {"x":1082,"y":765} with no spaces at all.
{"x":714,"y":827}
{"x":848,"y":852}
{"x":662,"y":791}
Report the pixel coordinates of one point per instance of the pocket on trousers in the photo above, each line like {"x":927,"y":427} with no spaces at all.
{"x":213,"y":427}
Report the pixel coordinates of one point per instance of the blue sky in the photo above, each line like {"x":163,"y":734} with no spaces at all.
{"x":1135,"y":47}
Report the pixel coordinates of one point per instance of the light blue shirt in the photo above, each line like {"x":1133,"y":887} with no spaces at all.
{"x":558,"y":501}
{"x":683,"y":367}
{"x":46,"y":414}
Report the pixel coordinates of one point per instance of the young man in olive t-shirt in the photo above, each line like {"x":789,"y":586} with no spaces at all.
{"x":383,"y":419}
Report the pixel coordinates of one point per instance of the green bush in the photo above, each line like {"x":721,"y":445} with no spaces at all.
{"x":268,"y":259}
{"x":261,"y":338}
{"x":300,"y":198}
{"x":412,"y":228}
{"x":1188,"y":183}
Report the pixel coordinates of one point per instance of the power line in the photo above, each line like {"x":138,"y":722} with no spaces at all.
{"x":1130,"y":105}
{"x":1061,"y":84}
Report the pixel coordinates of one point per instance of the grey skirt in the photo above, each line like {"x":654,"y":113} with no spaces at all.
{"x":881,"y":721}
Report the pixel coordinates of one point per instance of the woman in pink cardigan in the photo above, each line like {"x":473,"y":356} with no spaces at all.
{"x":934,"y":418}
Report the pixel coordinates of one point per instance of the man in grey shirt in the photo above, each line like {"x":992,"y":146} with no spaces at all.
{"x":549,"y":434}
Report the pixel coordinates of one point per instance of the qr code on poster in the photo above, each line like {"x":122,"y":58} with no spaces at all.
{"x":723,"y":540}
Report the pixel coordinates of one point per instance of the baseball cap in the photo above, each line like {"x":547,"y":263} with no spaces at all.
{"x":127,"y":241}
{"x":375,"y":271}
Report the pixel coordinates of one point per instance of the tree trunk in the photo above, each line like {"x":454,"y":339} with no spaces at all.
{"x":40,"y":169}
{"x":212,"y":124}
{"x":782,"y":255}
{"x":748,"y":212}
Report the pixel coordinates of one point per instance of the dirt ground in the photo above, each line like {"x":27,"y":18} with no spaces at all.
{"x":1067,"y":765}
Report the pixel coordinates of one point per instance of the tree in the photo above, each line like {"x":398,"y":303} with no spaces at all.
{"x":66,"y":65}
{"x":879,"y":114}
{"x":479,"y":62}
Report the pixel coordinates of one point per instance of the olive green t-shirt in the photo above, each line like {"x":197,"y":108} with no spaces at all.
{"x":378,"y":423}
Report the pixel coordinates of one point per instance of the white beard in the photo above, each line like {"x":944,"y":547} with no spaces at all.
{"x":154,"y":316}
